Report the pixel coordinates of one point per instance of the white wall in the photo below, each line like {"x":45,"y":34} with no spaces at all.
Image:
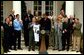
{"x":7,"y":7}
{"x":78,"y":9}
{"x":29,"y":5}
{"x":17,"y":8}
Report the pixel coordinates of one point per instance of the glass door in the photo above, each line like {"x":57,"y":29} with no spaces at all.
{"x":49,"y":7}
{"x":43,"y":7}
{"x":38,"y":8}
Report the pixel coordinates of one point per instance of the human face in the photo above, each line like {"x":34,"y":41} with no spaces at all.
{"x":10,"y":17}
{"x":76,"y":20}
{"x":17,"y":17}
{"x":7,"y":20}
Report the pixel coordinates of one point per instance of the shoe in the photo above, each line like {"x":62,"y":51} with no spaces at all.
{"x":9,"y":51}
{"x":72,"y":50}
{"x":28,"y":49}
{"x":77,"y":51}
{"x":10,"y":48}
{"x":67,"y":49}
{"x":15,"y":49}
{"x":5,"y":51}
{"x":63,"y":49}
{"x":33,"y":49}
{"x":59,"y":50}
{"x":20,"y":48}
{"x":54,"y":49}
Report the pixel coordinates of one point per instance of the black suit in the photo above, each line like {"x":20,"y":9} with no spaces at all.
{"x":26,"y":29}
{"x":66,"y":35}
{"x":6,"y":38}
{"x":26,"y":32}
{"x":12,"y":31}
{"x":46,"y":25}
{"x":30,"y":17}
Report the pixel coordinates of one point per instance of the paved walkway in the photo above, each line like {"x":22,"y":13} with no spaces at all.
{"x":50,"y":51}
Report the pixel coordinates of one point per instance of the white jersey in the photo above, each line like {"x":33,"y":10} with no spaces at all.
{"x":36,"y":28}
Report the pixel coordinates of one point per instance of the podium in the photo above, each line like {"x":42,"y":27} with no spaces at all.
{"x":43,"y":46}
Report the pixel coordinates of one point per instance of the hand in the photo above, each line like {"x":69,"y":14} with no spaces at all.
{"x":10,"y":24}
{"x":74,"y":25}
{"x":21,"y":21}
{"x":65,"y":30}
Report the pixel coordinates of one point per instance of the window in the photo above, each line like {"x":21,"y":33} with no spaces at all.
{"x":43,"y":7}
{"x":49,"y":7}
{"x":37,"y":7}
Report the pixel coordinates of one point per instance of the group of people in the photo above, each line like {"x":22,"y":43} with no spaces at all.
{"x":67,"y":31}
{"x":12,"y":31}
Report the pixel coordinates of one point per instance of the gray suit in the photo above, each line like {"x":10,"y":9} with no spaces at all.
{"x":58,"y":36}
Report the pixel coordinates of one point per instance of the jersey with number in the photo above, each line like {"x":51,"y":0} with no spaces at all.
{"x":36,"y":28}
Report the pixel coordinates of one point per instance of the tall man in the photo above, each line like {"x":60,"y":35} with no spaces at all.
{"x":66,"y":34}
{"x":6,"y":35}
{"x":17,"y":31}
{"x":76,"y":35}
{"x":27,"y":19}
{"x":46,"y":25}
{"x":12,"y":17}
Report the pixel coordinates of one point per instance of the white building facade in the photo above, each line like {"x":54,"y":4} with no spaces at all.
{"x":72,"y":8}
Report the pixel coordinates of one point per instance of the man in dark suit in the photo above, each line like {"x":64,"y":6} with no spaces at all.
{"x":12,"y":17}
{"x":27,"y":19}
{"x":65,"y":37}
{"x":6,"y":35}
{"x":26,"y":33}
{"x":70,"y":28}
{"x":30,"y":15}
{"x":46,"y":25}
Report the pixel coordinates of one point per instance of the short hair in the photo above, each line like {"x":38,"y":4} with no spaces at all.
{"x":65,"y":16}
{"x":73,"y":18}
{"x":77,"y":18}
{"x":6,"y":18}
{"x":17,"y":15}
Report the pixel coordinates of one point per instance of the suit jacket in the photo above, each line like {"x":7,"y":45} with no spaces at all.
{"x":58,"y":28}
{"x":6,"y":30}
{"x":45,"y":24}
{"x":77,"y":30}
{"x":65,"y":26}
{"x":30,"y":17}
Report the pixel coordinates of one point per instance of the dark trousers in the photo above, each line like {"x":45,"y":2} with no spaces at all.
{"x":11,"y":40}
{"x":26,"y":37}
{"x":6,"y":44}
{"x":31,"y":43}
{"x":65,"y":38}
{"x":47,"y":41}
{"x":17,"y":35}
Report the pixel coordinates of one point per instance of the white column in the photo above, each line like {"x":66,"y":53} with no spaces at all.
{"x":43,"y":7}
{"x":17,"y":7}
{"x":54,"y":10}
{"x":69,"y":8}
{"x":32,"y":8}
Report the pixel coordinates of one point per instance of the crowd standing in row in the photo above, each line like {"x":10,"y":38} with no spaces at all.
{"x":67,"y":32}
